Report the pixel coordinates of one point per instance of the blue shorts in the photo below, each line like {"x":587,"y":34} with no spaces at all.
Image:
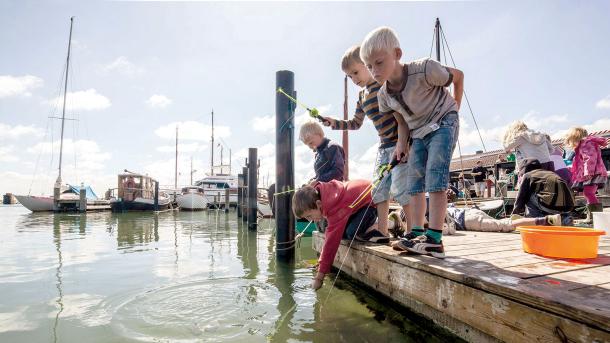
{"x":394,"y":183}
{"x":430,"y":156}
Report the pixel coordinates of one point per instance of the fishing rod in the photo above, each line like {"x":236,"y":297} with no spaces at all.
{"x":384,"y":170}
{"x":313,"y":112}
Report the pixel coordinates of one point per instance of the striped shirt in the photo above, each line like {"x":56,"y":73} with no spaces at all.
{"x":385,"y":124}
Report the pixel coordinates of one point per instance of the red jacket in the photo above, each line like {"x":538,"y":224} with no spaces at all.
{"x":336,"y":197}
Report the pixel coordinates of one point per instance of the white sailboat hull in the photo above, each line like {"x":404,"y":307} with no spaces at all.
{"x":192,"y":201}
{"x":36,"y":204}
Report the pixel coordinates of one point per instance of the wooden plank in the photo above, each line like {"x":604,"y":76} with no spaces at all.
{"x":495,"y":281}
{"x":487,"y":249}
{"x":504,"y":319}
{"x":557,"y":266}
{"x":576,"y":279}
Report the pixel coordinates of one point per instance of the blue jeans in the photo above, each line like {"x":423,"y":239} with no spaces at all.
{"x":430,"y":156}
{"x":360,"y":221}
{"x":394,"y":183}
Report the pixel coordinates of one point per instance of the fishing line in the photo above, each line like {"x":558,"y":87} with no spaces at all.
{"x":313,"y":112}
{"x":393,"y":164}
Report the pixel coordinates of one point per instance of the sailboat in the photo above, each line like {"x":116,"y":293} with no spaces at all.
{"x":215,"y":183}
{"x":65,"y":197}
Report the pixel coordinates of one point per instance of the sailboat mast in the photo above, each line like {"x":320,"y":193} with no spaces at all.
{"x":176,"y":166}
{"x":437,"y":35}
{"x":212,"y":147}
{"x":63,"y":110}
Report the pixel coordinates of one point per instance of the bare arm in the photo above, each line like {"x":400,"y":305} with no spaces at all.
{"x":402,"y":146}
{"x":458,"y":85}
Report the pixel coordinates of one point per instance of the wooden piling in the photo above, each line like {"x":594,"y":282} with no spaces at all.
{"x":284,"y":166}
{"x":244,"y":195}
{"x":227,"y":202}
{"x":252,"y":188}
{"x":156,"y":205}
{"x":82,"y":206}
{"x":240,"y":185}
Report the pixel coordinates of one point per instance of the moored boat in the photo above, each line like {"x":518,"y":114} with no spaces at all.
{"x":136,"y":192}
{"x":192,"y":198}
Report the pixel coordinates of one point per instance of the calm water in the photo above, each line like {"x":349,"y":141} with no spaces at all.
{"x":174,"y":277}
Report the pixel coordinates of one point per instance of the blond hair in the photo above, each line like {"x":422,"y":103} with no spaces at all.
{"x":574,"y":136}
{"x":351,"y":56}
{"x":513,"y":131}
{"x":381,"y":39}
{"x":310,"y":128}
{"x":304,"y":199}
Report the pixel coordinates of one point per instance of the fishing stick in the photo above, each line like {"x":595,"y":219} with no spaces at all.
{"x":313,"y":112}
{"x":383,"y":171}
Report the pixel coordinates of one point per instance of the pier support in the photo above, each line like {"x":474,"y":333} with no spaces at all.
{"x":227,"y":202}
{"x":156,"y":205}
{"x":240,"y":185}
{"x":82,"y":206}
{"x":284,"y":166}
{"x":244,"y":195}
{"x":252,"y":188}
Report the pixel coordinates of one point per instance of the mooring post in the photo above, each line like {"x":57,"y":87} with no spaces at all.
{"x":82,"y":205}
{"x":284,"y":165}
{"x":227,"y":202}
{"x":240,"y":184}
{"x":156,"y":196}
{"x":252,"y":188}
{"x":244,"y":194}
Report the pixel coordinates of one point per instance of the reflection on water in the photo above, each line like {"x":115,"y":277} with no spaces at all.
{"x":175,"y":276}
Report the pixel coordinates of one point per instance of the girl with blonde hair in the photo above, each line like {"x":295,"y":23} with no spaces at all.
{"x":528,"y":145}
{"x":588,"y":170}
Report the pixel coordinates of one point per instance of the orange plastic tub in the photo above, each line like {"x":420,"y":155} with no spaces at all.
{"x":560,"y":241}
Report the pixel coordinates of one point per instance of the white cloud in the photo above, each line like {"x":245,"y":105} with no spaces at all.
{"x":15,"y":132}
{"x":87,"y":100}
{"x":123,"y":66}
{"x":18,"y":85}
{"x":88,"y":153}
{"x":192,"y":130}
{"x":159,"y":101}
{"x":603,"y":104}
{"x":265,"y":124}
{"x":7,"y":155}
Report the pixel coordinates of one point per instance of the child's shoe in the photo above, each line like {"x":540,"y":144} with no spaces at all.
{"x":373,"y":236}
{"x":424,"y":245}
{"x":396,"y":228}
{"x":553,"y":220}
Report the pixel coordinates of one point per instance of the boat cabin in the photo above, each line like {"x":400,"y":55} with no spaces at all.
{"x":192,"y":189}
{"x":132,"y":186}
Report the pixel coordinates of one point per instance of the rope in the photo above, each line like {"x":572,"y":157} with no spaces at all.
{"x":465,"y":95}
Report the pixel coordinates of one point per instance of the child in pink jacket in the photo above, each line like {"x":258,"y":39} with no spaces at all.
{"x":588,"y":170}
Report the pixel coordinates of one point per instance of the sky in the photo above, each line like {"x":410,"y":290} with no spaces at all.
{"x":140,"y":69}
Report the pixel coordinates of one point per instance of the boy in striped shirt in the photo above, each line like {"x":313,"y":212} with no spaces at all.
{"x":388,"y":127}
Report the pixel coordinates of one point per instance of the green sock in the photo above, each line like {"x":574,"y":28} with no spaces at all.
{"x":419,"y":230}
{"x":437,"y":235}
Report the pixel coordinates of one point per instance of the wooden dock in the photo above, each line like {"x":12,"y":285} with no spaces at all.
{"x":489,"y":290}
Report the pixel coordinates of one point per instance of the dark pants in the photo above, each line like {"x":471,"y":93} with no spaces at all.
{"x":360,"y":221}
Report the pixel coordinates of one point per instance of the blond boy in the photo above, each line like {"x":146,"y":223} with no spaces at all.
{"x":330,"y":157}
{"x":418,"y":91}
{"x":388,"y":127}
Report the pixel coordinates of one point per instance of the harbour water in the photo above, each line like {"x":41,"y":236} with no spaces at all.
{"x":176,"y":277}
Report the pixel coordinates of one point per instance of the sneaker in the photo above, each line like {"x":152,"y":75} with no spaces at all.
{"x":554,"y":219}
{"x":373,"y":236}
{"x":397,"y":230}
{"x":400,"y":245}
{"x":424,"y":245}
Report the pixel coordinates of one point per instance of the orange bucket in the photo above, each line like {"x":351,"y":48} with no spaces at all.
{"x":560,"y":241}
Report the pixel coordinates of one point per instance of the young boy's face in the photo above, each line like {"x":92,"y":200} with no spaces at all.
{"x":381,"y":64}
{"x":314,"y":215}
{"x":359,"y":74}
{"x":313,"y":141}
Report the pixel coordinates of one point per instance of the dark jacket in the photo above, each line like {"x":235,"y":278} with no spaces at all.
{"x":551,"y":190}
{"x":330,"y":161}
